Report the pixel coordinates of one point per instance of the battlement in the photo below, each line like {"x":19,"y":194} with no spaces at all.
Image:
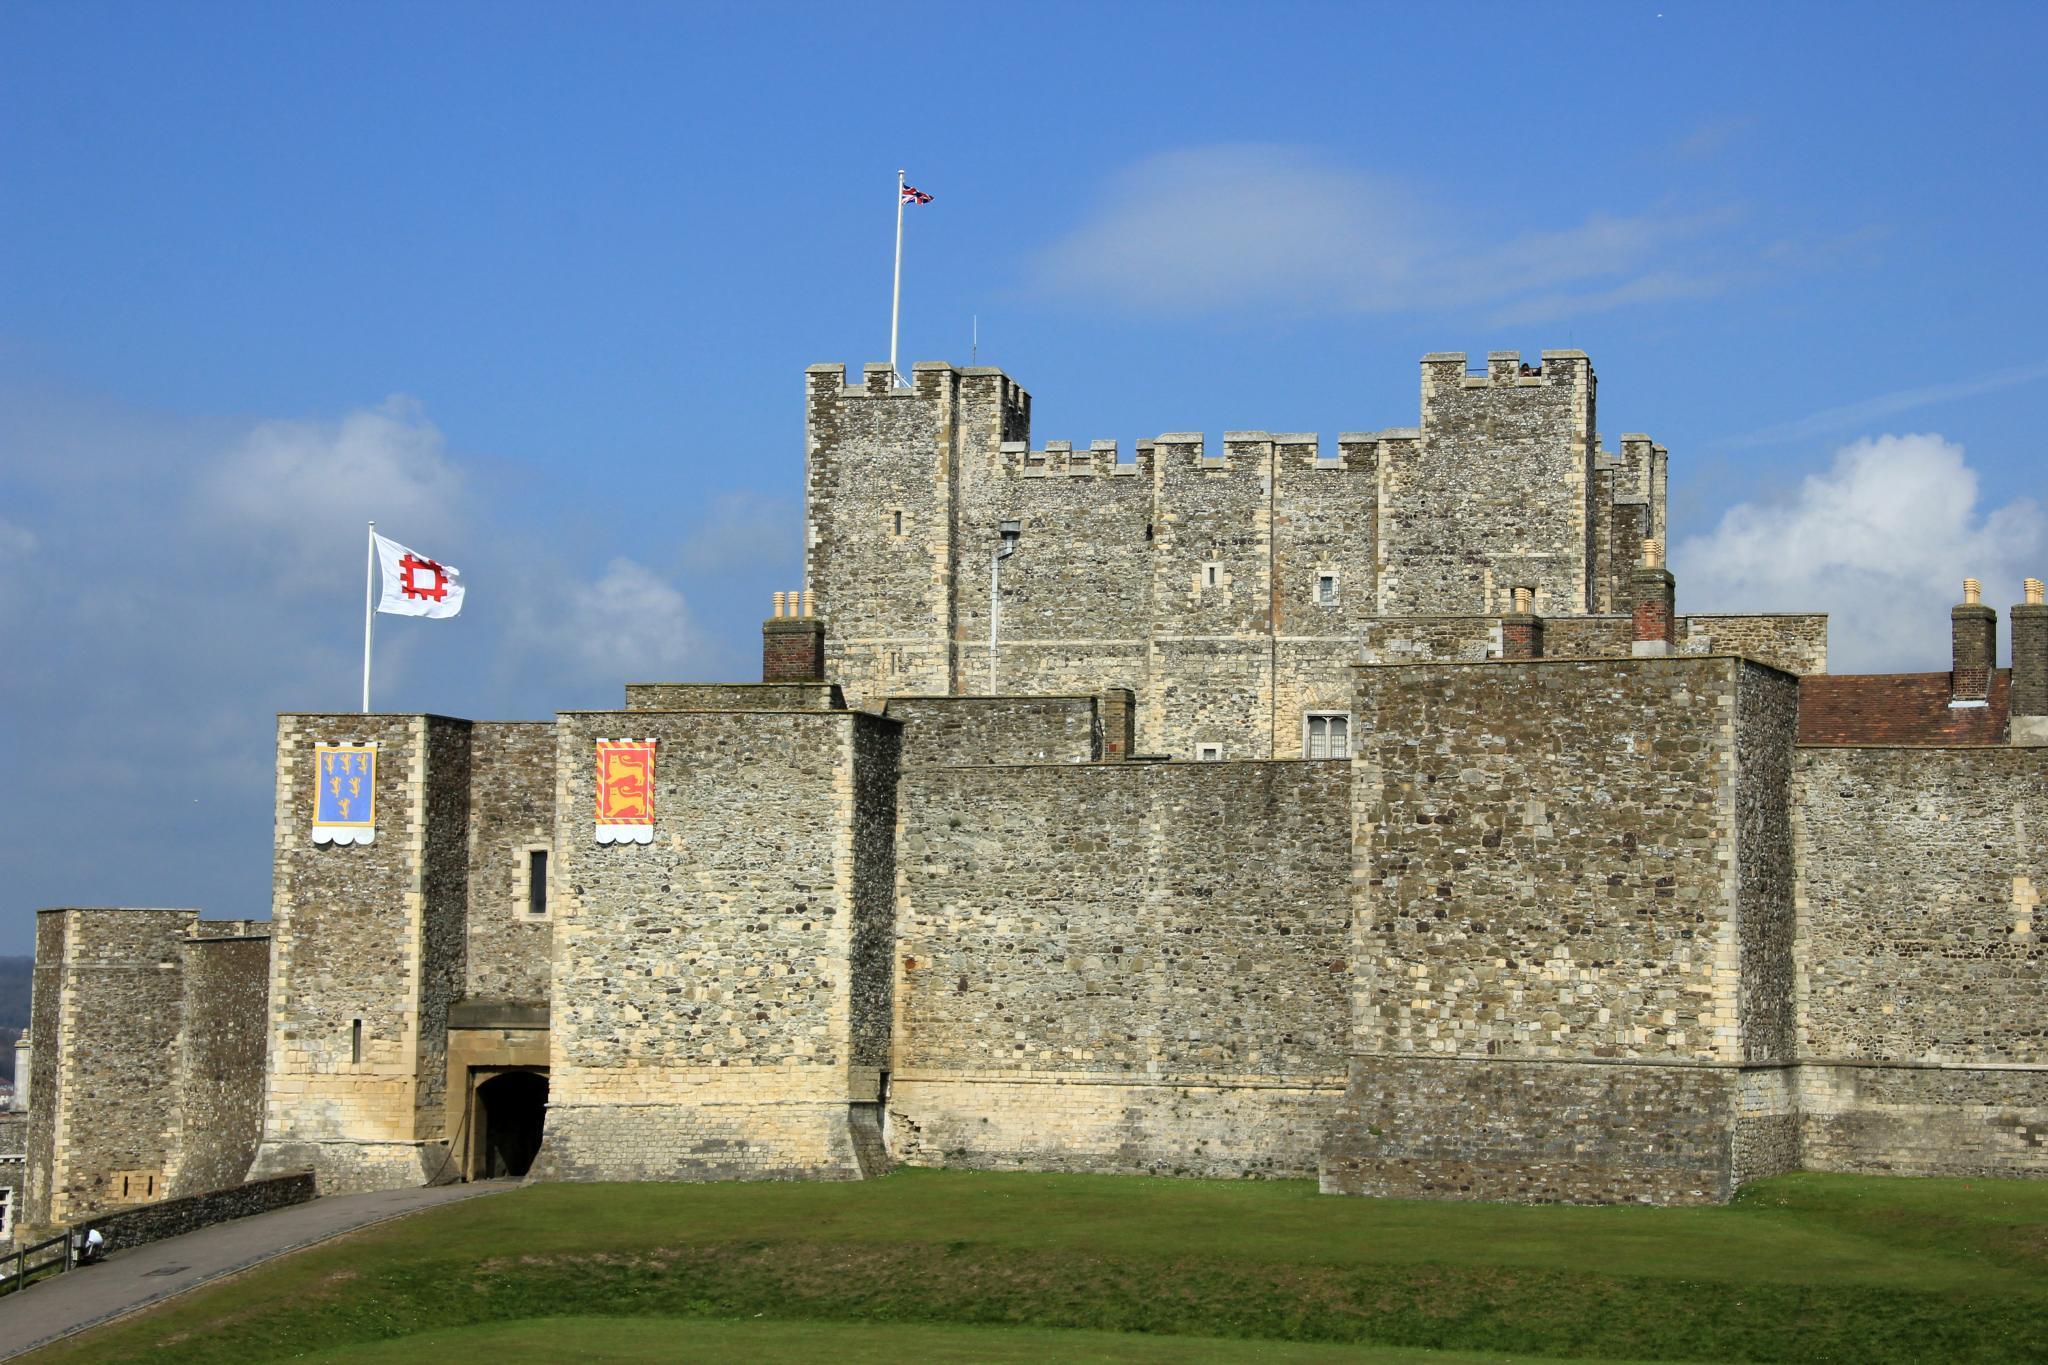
{"x":1059,"y":459}
{"x":1452,"y":369}
{"x":928,"y":378}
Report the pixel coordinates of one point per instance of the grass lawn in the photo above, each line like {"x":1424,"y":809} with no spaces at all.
{"x":1803,"y":1267}
{"x":656,"y":1341}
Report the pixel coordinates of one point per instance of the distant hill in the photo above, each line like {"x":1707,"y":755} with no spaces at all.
{"x":13,"y":1007}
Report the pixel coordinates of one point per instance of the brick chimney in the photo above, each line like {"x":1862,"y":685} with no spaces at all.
{"x":1521,"y":630}
{"x":792,"y":641}
{"x":2030,"y":668}
{"x":1975,"y":630}
{"x":1655,"y":594}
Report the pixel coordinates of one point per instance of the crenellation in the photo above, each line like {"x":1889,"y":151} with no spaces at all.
{"x":1234,"y":811}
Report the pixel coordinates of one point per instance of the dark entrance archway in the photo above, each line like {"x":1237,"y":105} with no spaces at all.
{"x":510,"y":1109}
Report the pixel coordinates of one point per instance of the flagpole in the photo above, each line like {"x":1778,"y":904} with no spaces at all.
{"x":369,"y":608}
{"x":896,"y":291}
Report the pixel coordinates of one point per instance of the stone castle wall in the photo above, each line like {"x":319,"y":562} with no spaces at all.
{"x":108,"y":1010}
{"x":1229,"y":588}
{"x":220,"y":1057}
{"x":714,"y":998}
{"x":1921,"y":951}
{"x":1565,"y":871}
{"x":511,"y":811}
{"x":1087,"y":981}
{"x":367,"y":953}
{"x":968,"y":730}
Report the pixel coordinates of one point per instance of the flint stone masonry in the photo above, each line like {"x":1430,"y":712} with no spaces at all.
{"x":220,"y":1055}
{"x":133,"y":1227}
{"x":372,"y":935}
{"x":1084,"y":983}
{"x":109,"y":993}
{"x":1564,"y":862}
{"x":966,"y":730}
{"x":1921,"y":874}
{"x":1577,"y":926}
{"x":720,"y":995}
{"x":807,"y":696}
{"x":1229,"y":586}
{"x":511,"y":813}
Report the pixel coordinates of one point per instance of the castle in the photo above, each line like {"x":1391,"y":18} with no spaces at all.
{"x":1363,"y":812}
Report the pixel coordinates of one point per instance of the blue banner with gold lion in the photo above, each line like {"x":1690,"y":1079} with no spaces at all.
{"x":344,"y":793}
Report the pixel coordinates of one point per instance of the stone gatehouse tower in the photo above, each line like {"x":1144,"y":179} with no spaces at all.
{"x":1366,"y":812}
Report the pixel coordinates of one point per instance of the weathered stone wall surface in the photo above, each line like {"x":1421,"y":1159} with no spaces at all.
{"x":1085,"y":984}
{"x":1924,"y":1120}
{"x":957,"y":730}
{"x":1077,"y":594}
{"x":46,"y":995}
{"x":1794,"y":641}
{"x":372,"y":934}
{"x":1110,"y":585}
{"x":511,"y":811}
{"x":885,"y":513}
{"x":1921,"y":873}
{"x":871,"y":972}
{"x":109,"y":986}
{"x":1497,"y":493}
{"x":703,"y":992}
{"x":1547,"y":1132}
{"x":733,"y":697}
{"x":1921,"y":959}
{"x":220,"y":1059}
{"x":175,"y":1217}
{"x":1554,"y":865}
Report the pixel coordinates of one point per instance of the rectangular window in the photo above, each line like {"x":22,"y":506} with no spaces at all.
{"x":1327,"y":735}
{"x":537,"y":882}
{"x":899,"y":523}
{"x":355,"y":1041}
{"x":6,"y":1214}
{"x":1326,"y":590}
{"x":1212,"y":575}
{"x":1209,"y":753}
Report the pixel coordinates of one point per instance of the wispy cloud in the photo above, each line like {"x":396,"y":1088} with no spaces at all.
{"x":1708,"y":140}
{"x":1869,"y":411}
{"x":1238,"y":225}
{"x":1882,"y":541}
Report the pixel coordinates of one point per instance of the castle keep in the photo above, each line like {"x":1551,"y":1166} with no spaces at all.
{"x":1364,"y":811}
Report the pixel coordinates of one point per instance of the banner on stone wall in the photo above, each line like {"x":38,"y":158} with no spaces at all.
{"x":345,"y":793}
{"x":625,"y":791}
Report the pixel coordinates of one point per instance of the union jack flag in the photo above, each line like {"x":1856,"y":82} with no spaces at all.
{"x":913,"y":195}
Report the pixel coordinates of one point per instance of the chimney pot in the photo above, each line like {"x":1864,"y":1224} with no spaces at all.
{"x":1974,"y":631}
{"x":1525,"y":601}
{"x":778,"y":604}
{"x":2029,"y":722}
{"x":1653,"y":553}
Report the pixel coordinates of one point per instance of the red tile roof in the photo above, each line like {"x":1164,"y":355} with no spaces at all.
{"x":1898,"y":708}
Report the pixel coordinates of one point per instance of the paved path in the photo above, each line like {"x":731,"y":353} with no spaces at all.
{"x":136,"y":1278}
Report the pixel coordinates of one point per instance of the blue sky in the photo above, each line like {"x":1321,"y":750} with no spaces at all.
{"x":534,"y":286}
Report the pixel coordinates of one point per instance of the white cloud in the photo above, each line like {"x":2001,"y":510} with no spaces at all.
{"x":1881,"y":541}
{"x":301,"y":491}
{"x":1245,"y":225}
{"x":16,"y":542}
{"x":629,"y":624}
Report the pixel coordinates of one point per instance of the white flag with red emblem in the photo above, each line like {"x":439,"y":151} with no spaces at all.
{"x":415,"y":585}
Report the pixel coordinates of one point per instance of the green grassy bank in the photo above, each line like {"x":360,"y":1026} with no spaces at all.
{"x":1800,"y":1268}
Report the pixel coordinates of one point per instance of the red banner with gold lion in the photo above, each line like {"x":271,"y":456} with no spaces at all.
{"x":625,"y":791}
